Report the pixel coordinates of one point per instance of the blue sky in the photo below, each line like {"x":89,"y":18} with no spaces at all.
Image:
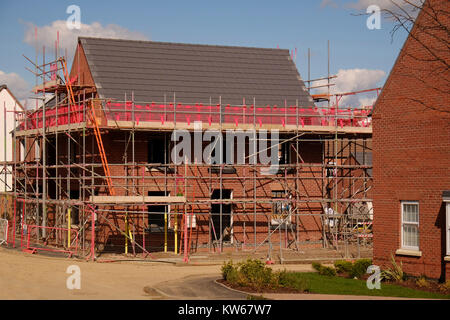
{"x":287,"y":24}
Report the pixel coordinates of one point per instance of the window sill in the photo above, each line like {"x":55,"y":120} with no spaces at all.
{"x":447,"y":258}
{"x":406,"y":252}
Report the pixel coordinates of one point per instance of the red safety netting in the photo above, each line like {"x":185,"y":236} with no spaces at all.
{"x":207,"y":114}
{"x":54,"y":117}
{"x":237,"y":115}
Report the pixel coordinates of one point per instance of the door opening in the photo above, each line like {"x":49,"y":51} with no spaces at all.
{"x":226,"y":216}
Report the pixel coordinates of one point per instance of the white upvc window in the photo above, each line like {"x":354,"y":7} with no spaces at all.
{"x":410,"y":225}
{"x":447,"y":225}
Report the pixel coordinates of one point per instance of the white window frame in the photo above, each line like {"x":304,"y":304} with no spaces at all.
{"x":402,"y":203}
{"x":447,"y":226}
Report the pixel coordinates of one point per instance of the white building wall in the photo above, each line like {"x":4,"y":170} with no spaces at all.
{"x":6,"y":144}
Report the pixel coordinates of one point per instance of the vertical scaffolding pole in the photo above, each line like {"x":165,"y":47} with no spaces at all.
{"x":210,"y":226}
{"x":255,"y":160}
{"x":309,"y":69}
{"x":92,"y":234}
{"x":36,"y":141}
{"x":69,"y":142}
{"x":134,"y":172}
{"x":13,"y":182}
{"x":83,"y":188}
{"x":297,"y":182}
{"x":69,"y":220}
{"x":44,"y":154}
{"x":126,"y":166}
{"x":175,"y":224}
{"x":4,"y":147}
{"x":186,"y":258}
{"x":165,"y":192}
{"x":220,"y":173}
{"x":143,"y":212}
{"x":26,"y":173}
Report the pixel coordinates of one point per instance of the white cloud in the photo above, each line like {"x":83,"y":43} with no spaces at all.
{"x":16,"y":84}
{"x":328,"y":3}
{"x":365,"y":101}
{"x":357,"y":79}
{"x":394,"y":6}
{"x":384,"y":4}
{"x":350,"y":80}
{"x":47,"y":34}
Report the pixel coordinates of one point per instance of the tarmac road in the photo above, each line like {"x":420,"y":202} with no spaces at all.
{"x":194,"y":288}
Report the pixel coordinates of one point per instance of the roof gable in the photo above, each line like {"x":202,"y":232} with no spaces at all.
{"x":417,"y":78}
{"x":4,"y":87}
{"x":80,"y":69}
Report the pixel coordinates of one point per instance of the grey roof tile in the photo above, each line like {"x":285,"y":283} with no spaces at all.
{"x":194,"y":73}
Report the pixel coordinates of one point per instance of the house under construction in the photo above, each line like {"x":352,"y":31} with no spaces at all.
{"x":95,"y":166}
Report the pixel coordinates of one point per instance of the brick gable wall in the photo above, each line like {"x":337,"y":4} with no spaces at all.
{"x":411,"y":139}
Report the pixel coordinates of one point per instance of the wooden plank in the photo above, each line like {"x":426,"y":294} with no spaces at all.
{"x":136,"y":199}
{"x":53,"y":129}
{"x":143,"y":125}
{"x":168,"y":126}
{"x":47,"y":85}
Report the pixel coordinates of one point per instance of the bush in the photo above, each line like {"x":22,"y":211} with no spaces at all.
{"x":343,"y":266}
{"x":227,"y":268}
{"x":445,"y":287}
{"x":257,"y":274}
{"x":290,"y":280}
{"x":235,"y":277}
{"x":359,"y":268}
{"x":323,"y":270}
{"x":395,"y":273}
{"x":422,"y":282}
{"x":316,"y":266}
{"x":252,"y":273}
{"x":327,"y":271}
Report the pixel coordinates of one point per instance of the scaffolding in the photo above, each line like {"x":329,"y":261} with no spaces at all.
{"x":75,"y":193}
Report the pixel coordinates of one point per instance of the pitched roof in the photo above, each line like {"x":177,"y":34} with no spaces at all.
{"x":195,"y":73}
{"x":5,"y":87}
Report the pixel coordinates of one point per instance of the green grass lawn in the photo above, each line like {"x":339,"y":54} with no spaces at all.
{"x":338,"y":285}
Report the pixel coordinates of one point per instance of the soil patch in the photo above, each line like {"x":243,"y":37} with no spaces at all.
{"x":432,"y":286}
{"x":265,"y":290}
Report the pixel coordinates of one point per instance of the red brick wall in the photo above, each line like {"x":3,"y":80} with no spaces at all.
{"x":198,"y":189}
{"x":80,"y":69}
{"x":308,"y":186}
{"x":411,"y":139}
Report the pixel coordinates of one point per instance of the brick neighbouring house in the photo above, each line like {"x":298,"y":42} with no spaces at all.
{"x":411,"y":153}
{"x":163,"y":86}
